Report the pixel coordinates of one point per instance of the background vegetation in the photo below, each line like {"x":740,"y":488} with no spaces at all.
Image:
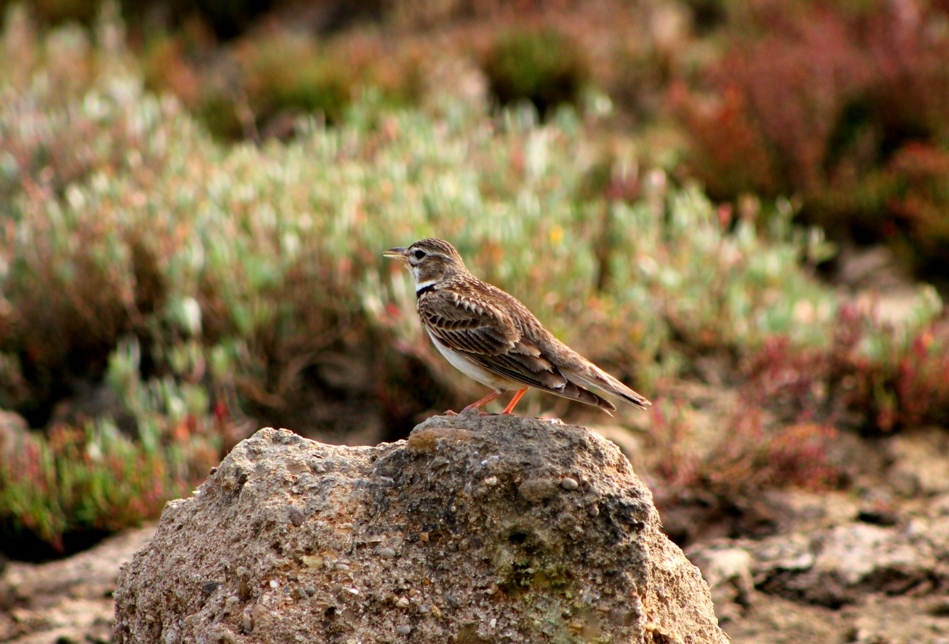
{"x":192,"y":216}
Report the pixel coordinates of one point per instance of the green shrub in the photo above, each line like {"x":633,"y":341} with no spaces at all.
{"x":542,"y":66}
{"x":258,"y":86}
{"x":291,"y":73}
{"x":92,"y":479}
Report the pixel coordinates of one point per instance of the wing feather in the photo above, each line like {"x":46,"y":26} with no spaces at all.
{"x":462,"y":324}
{"x":488,"y":336}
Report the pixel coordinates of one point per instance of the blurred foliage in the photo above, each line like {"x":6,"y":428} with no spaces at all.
{"x":193,"y":283}
{"x":754,"y":455}
{"x":843,"y":105}
{"x":226,"y":18}
{"x":543,"y":66}
{"x":57,"y":12}
{"x":91,"y":479}
{"x":877,"y":375}
{"x":258,"y":86}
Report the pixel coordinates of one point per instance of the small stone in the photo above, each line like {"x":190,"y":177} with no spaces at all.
{"x":388,"y":553}
{"x":343,"y":567}
{"x":247,"y":622}
{"x":313,"y":561}
{"x":222,"y":635}
{"x":436,"y":611}
{"x":622,"y":616}
{"x":569,"y":484}
{"x":226,"y":638}
{"x":403,"y":602}
{"x":536,"y":490}
{"x":491,"y":481}
{"x":209,"y":587}
{"x":296,"y":517}
{"x":404,"y":629}
{"x":423,"y":536}
{"x":274,"y":584}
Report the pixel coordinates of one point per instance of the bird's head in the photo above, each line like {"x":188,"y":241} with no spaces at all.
{"x":429,"y":261}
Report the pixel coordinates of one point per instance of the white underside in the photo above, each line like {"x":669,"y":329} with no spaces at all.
{"x":472,"y":370}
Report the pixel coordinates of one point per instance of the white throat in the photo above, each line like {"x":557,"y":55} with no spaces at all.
{"x":421,"y":286}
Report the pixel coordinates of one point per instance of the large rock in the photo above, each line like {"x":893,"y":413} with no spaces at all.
{"x":475,"y":529}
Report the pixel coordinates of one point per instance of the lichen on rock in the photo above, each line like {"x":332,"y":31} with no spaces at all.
{"x":474,"y":529}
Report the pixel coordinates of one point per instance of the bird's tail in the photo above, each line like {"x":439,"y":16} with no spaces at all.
{"x":598,"y":379}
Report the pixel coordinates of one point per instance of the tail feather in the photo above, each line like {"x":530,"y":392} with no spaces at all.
{"x":598,"y":379}
{"x":575,"y":392}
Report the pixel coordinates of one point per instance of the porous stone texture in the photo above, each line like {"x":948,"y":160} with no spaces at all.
{"x":476,"y":529}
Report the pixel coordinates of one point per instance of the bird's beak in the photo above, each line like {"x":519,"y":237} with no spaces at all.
{"x":395,"y":253}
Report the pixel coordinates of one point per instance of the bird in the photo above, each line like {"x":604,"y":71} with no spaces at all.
{"x":490,"y":336}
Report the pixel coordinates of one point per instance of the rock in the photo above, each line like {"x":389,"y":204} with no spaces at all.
{"x":875,"y":267}
{"x":464,"y":532}
{"x":67,"y":600}
{"x":727,"y":569}
{"x":920,"y":461}
{"x":839,"y":566}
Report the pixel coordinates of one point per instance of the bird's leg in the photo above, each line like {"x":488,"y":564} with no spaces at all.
{"x":510,"y":406}
{"x":491,"y":396}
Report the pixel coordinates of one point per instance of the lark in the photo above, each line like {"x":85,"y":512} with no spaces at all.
{"x":491,"y":337}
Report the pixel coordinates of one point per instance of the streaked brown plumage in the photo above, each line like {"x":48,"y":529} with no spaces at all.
{"x":493,"y":338}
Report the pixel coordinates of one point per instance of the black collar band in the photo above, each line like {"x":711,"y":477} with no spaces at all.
{"x":424,"y":289}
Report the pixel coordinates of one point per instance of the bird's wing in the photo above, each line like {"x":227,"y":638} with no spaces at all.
{"x":488,"y":336}
{"x":467,"y":324}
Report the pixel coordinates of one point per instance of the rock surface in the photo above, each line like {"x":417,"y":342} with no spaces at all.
{"x":475,"y":529}
{"x":65,"y":601}
{"x":847,"y":581}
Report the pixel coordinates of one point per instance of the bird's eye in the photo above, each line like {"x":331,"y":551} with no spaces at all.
{"x":419,"y":254}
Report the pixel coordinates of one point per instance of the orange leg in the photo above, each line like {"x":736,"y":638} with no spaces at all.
{"x":491,"y":396}
{"x":510,"y":406}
